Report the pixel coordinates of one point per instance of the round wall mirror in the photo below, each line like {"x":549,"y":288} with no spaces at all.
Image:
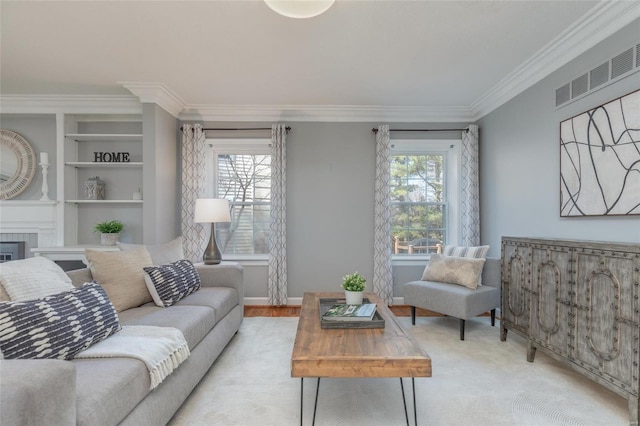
{"x":17,"y":164}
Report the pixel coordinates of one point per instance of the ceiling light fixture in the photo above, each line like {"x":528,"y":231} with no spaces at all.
{"x":299,"y":8}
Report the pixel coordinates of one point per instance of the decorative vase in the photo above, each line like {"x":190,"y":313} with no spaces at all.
{"x":109,"y":239}
{"x":353,"y":297}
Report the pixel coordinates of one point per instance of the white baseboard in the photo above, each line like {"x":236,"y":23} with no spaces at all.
{"x":295,"y":301}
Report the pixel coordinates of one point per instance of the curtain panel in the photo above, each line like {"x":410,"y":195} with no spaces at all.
{"x":382,"y":274}
{"x":277,"y":280}
{"x":194,"y":235}
{"x":470,"y":188}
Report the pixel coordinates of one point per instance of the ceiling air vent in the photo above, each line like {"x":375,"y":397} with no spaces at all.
{"x":579,"y":86}
{"x":599,"y":75}
{"x":622,"y":63}
{"x":563,"y":94}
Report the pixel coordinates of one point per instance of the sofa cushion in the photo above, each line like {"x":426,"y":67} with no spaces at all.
{"x":221,"y":299}
{"x":476,"y":252}
{"x":454,"y":270}
{"x":121,"y":275}
{"x":170,"y":283}
{"x":57,"y":326}
{"x":194,"y":321}
{"x":161,"y":254}
{"x":108,"y":389}
{"x":33,"y":278}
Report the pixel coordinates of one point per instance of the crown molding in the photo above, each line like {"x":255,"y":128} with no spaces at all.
{"x":69,"y":104}
{"x":325,"y":113}
{"x":155,"y":93}
{"x":600,"y":22}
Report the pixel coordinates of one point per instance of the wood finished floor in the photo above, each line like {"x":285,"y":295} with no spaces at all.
{"x":294,"y":311}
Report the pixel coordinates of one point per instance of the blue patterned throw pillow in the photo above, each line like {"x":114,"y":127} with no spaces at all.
{"x":57,"y":326}
{"x":170,"y":283}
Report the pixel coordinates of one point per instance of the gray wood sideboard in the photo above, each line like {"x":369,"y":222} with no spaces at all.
{"x":578,"y":302}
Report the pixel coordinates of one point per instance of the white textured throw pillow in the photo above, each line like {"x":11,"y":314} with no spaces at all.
{"x":33,"y":278}
{"x":161,"y":254}
{"x":454,"y":270}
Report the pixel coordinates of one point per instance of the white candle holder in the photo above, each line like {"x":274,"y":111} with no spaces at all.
{"x":45,"y":184}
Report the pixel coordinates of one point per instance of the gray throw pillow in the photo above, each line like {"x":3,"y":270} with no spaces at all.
{"x":161,"y":254}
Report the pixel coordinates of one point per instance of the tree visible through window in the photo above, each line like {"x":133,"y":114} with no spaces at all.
{"x":418,"y":203}
{"x":244,"y":180}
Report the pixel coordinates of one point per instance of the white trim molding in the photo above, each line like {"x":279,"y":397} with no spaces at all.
{"x":70,"y":104}
{"x":600,"y":22}
{"x":156,"y":93}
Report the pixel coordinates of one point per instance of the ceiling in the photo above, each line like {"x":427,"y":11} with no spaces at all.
{"x":454,"y":56}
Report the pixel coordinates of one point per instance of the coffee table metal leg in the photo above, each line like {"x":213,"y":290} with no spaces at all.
{"x":404,"y":401}
{"x":315,"y":406}
{"x":415,"y":407}
{"x":301,"y":397}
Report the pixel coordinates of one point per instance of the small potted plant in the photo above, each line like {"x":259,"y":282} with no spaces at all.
{"x":109,"y":232}
{"x":353,"y":286}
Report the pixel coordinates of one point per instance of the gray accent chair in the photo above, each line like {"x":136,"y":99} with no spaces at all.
{"x":455,"y":300}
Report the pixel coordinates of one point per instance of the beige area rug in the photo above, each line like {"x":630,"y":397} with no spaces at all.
{"x":479,"y":381}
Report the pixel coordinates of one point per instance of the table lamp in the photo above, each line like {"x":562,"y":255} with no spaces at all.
{"x":212,"y":210}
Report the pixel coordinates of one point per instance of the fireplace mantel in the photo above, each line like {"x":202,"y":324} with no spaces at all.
{"x":30,"y":216}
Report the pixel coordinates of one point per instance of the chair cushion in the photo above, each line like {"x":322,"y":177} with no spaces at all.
{"x":451,"y":299}
{"x":454,"y":270}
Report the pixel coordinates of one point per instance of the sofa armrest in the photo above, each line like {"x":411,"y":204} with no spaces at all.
{"x":226,"y":274}
{"x":37,"y":392}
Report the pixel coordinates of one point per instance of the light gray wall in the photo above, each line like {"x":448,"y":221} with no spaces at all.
{"x":519,"y":157}
{"x":160,"y":174}
{"x":40,"y":132}
{"x":330,"y":195}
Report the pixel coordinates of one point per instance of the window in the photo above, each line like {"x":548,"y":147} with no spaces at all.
{"x":242,"y":175}
{"x":423,"y":190}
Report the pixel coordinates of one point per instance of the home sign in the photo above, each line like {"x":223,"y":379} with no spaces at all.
{"x":111,"y":157}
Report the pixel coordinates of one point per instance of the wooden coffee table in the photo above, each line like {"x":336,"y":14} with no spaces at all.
{"x":358,"y":353}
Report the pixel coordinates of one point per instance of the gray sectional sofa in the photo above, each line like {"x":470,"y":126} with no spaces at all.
{"x":111,"y":391}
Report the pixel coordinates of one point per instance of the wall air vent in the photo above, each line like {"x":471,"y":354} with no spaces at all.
{"x":599,"y":75}
{"x":563,"y":94}
{"x":579,"y":86}
{"x":622,"y":64}
{"x":604,"y":74}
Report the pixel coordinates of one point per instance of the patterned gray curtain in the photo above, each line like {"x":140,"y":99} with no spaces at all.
{"x":194,"y":235}
{"x":470,"y":188}
{"x":382,"y":277}
{"x":277,"y":281}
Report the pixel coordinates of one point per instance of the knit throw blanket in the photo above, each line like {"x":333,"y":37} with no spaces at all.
{"x":162,"y":349}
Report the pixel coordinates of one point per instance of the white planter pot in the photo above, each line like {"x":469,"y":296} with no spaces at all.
{"x":109,"y":239}
{"x":353,"y":297}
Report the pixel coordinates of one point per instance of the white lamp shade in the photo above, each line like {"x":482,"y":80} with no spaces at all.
{"x":299,"y":8}
{"x":211,"y":210}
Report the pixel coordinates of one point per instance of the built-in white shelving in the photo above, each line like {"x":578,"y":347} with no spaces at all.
{"x":104,"y":201}
{"x":92,"y":164}
{"x":104,"y":137}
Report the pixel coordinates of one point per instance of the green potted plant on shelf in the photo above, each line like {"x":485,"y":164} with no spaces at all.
{"x":353,"y":285}
{"x":109,"y":232}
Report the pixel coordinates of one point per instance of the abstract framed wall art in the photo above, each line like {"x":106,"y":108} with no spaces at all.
{"x":600,"y":160}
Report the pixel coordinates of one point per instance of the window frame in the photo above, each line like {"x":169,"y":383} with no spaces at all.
{"x":451,"y":149}
{"x":225,"y":146}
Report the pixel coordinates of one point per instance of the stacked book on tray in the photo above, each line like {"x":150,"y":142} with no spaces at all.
{"x":344,"y":312}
